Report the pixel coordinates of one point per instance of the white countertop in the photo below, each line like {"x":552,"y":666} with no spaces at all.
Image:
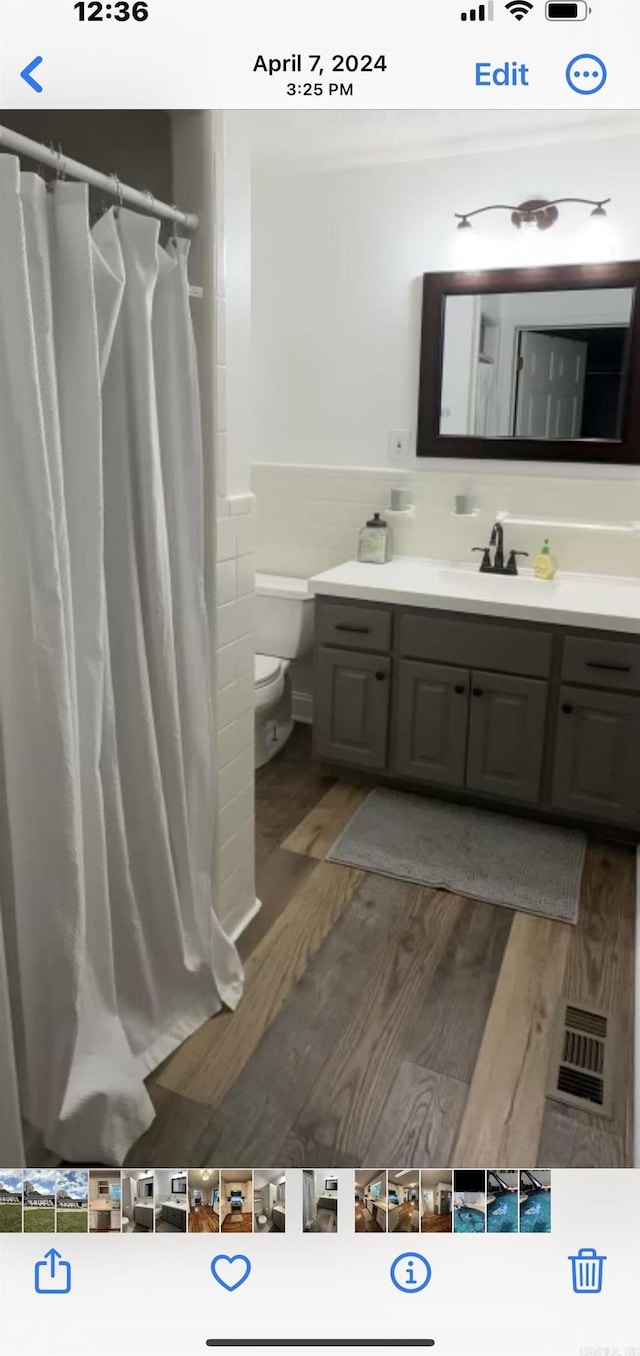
{"x":604,"y":602}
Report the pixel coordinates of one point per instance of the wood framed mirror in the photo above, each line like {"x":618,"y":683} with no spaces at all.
{"x":533,"y":364}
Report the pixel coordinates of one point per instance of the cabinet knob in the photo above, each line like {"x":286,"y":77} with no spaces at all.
{"x":567,"y":710}
{"x":459,"y":688}
{"x":477,"y":692}
{"x":380,"y":676}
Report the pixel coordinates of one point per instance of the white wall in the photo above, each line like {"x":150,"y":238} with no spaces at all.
{"x":337,"y":263}
{"x":321,"y":1176}
{"x":164,"y":1178}
{"x":338,"y":260}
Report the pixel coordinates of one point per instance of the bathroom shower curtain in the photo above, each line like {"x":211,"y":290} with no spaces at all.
{"x":110,"y":949}
{"x":308,"y":1198}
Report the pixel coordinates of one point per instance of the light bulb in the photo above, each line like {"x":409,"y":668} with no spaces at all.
{"x":468,"y":248}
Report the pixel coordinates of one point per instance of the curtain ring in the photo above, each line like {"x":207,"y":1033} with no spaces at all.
{"x":51,"y":183}
{"x":119,"y":193}
{"x":61,"y":167}
{"x":174,"y":227}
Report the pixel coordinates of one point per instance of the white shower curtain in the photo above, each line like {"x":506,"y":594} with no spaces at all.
{"x":110,"y":950}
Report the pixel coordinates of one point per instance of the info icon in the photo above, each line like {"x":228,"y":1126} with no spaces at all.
{"x":410,"y":1272}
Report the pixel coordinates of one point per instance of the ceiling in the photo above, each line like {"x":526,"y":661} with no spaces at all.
{"x":197,"y":1178}
{"x":365,"y":1176}
{"x":314,"y":139}
{"x":237,"y":1174}
{"x":430,"y":1178}
{"x":401,"y":1179}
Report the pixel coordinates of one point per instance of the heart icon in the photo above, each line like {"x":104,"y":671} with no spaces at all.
{"x":230,"y":1272}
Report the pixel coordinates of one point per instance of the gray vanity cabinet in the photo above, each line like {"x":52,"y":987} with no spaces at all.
{"x":597,"y":755}
{"x":430,"y":738}
{"x":506,"y":735}
{"x":351,"y":708}
{"x":175,"y":1215}
{"x":507,"y":713}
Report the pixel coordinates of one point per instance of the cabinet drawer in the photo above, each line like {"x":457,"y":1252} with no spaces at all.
{"x":601,"y":663}
{"x":481,"y":644}
{"x":353,"y":626}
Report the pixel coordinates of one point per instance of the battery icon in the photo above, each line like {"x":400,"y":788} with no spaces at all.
{"x":572,"y":9}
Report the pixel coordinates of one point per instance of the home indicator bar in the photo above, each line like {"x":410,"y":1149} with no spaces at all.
{"x":320,"y":1342}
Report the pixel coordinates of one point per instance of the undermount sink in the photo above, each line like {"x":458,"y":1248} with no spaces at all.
{"x":515,"y":586}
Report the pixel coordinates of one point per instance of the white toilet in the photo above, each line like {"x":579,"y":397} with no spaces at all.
{"x":284,"y":631}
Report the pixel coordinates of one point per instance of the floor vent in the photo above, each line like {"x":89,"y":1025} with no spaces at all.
{"x":581,"y":1058}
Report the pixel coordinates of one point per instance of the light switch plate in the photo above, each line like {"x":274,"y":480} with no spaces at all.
{"x":399,"y":444}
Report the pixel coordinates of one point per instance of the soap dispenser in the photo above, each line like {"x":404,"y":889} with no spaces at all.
{"x":374,"y":543}
{"x":545,"y":565}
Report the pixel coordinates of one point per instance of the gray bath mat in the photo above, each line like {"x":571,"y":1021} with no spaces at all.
{"x":518,"y":863}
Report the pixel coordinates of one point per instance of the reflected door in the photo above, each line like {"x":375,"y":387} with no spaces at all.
{"x":550,"y":391}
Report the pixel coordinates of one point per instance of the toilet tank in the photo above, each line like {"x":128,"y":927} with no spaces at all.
{"x":284,"y":616}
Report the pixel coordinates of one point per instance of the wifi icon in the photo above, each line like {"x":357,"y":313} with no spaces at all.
{"x":519,"y":8}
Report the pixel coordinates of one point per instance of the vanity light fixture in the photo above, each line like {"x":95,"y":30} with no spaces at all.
{"x":536,"y":212}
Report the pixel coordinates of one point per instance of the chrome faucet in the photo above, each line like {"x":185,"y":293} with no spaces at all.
{"x":498,"y":566}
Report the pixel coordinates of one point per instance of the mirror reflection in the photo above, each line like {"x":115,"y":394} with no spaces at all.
{"x":536,"y":364}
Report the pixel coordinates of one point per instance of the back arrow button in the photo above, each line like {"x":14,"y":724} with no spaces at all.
{"x":26,"y":75}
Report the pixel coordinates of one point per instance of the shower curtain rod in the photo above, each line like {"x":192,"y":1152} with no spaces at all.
{"x":109,"y":183}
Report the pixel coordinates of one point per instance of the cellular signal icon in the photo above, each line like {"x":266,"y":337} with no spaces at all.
{"x":481,"y":14}
{"x":519,"y":8}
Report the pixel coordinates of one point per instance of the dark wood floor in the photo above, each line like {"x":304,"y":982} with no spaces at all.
{"x":325,"y":1222}
{"x":237,"y":1222}
{"x":405,"y":1221}
{"x":203,"y":1220}
{"x":382,"y":1022}
{"x":365,"y":1223}
{"x":436,"y":1224}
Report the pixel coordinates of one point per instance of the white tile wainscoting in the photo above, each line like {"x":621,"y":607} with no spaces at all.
{"x":233,"y":709}
{"x":232,"y":590}
{"x":308,"y":517}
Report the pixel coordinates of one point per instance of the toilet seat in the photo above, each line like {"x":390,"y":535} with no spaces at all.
{"x":269,"y":681}
{"x":266,"y":668}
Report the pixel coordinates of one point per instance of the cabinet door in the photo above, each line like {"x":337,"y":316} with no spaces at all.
{"x":506,"y":735}
{"x":597,"y":760}
{"x":432,"y":704}
{"x":351,"y":707}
